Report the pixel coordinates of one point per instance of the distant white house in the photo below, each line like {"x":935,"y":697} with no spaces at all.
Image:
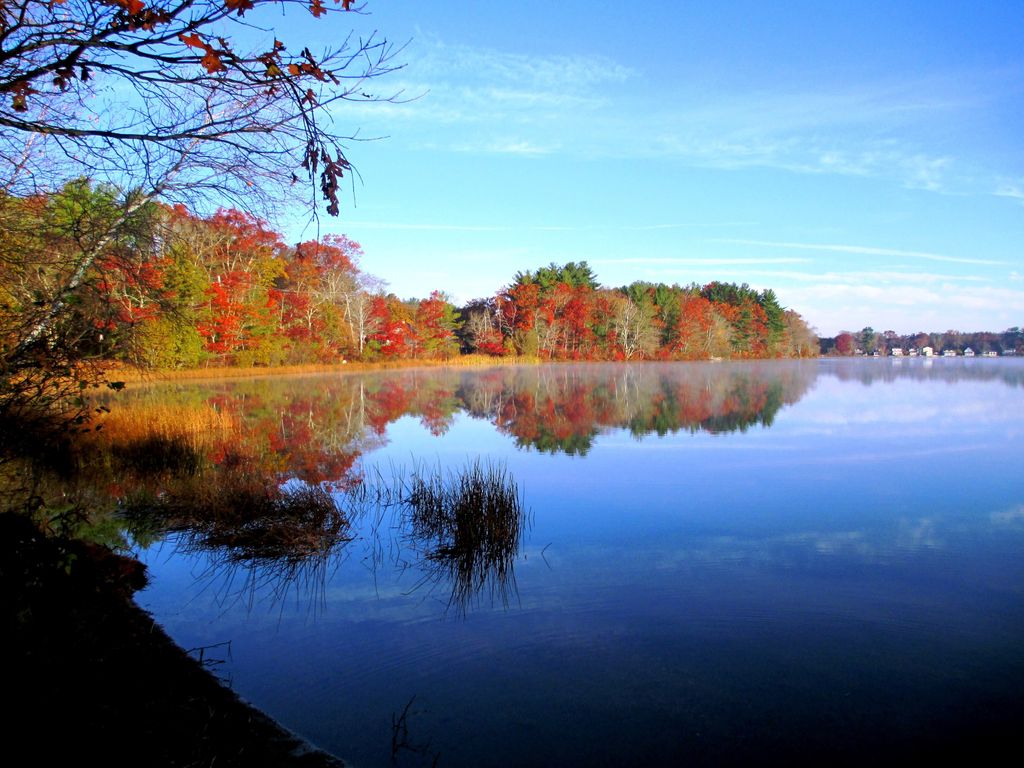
{"x":968,"y":352}
{"x":897,"y":351}
{"x":989,"y":353}
{"x":949,"y":353}
{"x":927,"y":351}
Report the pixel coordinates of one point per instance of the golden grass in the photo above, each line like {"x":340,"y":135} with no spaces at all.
{"x":137,"y":423}
{"x":230,"y":372}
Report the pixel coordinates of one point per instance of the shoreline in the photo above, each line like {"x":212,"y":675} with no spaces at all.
{"x":94,"y":675}
{"x":140,"y":376}
{"x":137,"y":376}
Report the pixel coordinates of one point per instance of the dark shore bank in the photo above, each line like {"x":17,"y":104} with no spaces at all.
{"x":91,"y":678}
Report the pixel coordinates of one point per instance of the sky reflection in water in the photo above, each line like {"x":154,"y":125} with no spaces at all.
{"x":720,"y":563}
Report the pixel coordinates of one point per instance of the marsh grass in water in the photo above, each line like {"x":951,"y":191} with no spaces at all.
{"x":469,"y":525}
{"x":151,"y":437}
{"x":255,"y":534}
{"x":252,"y":520}
{"x":190,"y":471}
{"x":464,"y":526}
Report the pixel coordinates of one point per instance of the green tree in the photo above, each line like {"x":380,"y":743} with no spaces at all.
{"x":547,"y":278}
{"x":868,"y":339}
{"x":775,"y":320}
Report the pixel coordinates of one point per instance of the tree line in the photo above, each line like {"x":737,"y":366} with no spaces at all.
{"x":869,"y":341}
{"x":168,"y":288}
{"x":174,"y":106}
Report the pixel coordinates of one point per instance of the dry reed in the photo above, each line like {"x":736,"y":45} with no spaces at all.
{"x":153,"y":437}
{"x":136,"y":422}
{"x":234,"y":372}
{"x":469,"y":524}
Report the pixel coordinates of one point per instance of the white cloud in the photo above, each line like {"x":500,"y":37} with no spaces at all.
{"x":861,"y":249}
{"x":506,"y":147}
{"x":465,"y":85}
{"x":436,"y":59}
{"x":872,"y":277}
{"x":1013,"y":190}
{"x":356,"y":225}
{"x":898,"y":127}
{"x":926,"y":172}
{"x":834,"y":306}
{"x":394,"y":225}
{"x":1011,"y":516}
{"x":689,"y":225}
{"x":701,"y":262}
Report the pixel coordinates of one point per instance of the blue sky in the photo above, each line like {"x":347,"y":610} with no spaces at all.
{"x":862,"y":159}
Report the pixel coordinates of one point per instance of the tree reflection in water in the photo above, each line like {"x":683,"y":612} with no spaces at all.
{"x":464,"y":528}
{"x":279,"y":501}
{"x":255,"y":537}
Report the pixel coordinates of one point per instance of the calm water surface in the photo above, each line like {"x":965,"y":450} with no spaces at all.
{"x":720,"y":563}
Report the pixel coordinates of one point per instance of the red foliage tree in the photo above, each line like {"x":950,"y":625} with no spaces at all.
{"x":435,"y":325}
{"x":845,"y":343}
{"x":393,"y":336}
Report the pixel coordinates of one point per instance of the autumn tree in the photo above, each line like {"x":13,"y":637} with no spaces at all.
{"x":692,"y":335}
{"x":517,"y":316}
{"x":58,"y":315}
{"x":436,"y":323}
{"x":637,"y":323}
{"x":341,"y":287}
{"x":845,"y":343}
{"x":392,"y":321}
{"x":179,"y":100}
{"x":480,"y":331}
{"x":155,"y":97}
{"x":801,"y":340}
{"x":241,"y":321}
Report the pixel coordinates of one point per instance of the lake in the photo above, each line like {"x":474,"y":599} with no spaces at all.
{"x":720,"y":563}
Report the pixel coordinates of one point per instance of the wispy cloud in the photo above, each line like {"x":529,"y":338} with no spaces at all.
{"x":401,"y":226}
{"x":498,"y":70}
{"x":871,"y":277}
{"x":861,"y":250}
{"x":834,"y":305}
{"x":1010,"y":189}
{"x":709,"y":262}
{"x":412,"y":226}
{"x":871,"y":130}
{"x":482,"y":88}
{"x":489,"y":101}
{"x":687,"y":225}
{"x":1011,"y":516}
{"x":506,"y":147}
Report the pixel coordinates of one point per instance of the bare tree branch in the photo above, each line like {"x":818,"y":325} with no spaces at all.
{"x":124,"y":90}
